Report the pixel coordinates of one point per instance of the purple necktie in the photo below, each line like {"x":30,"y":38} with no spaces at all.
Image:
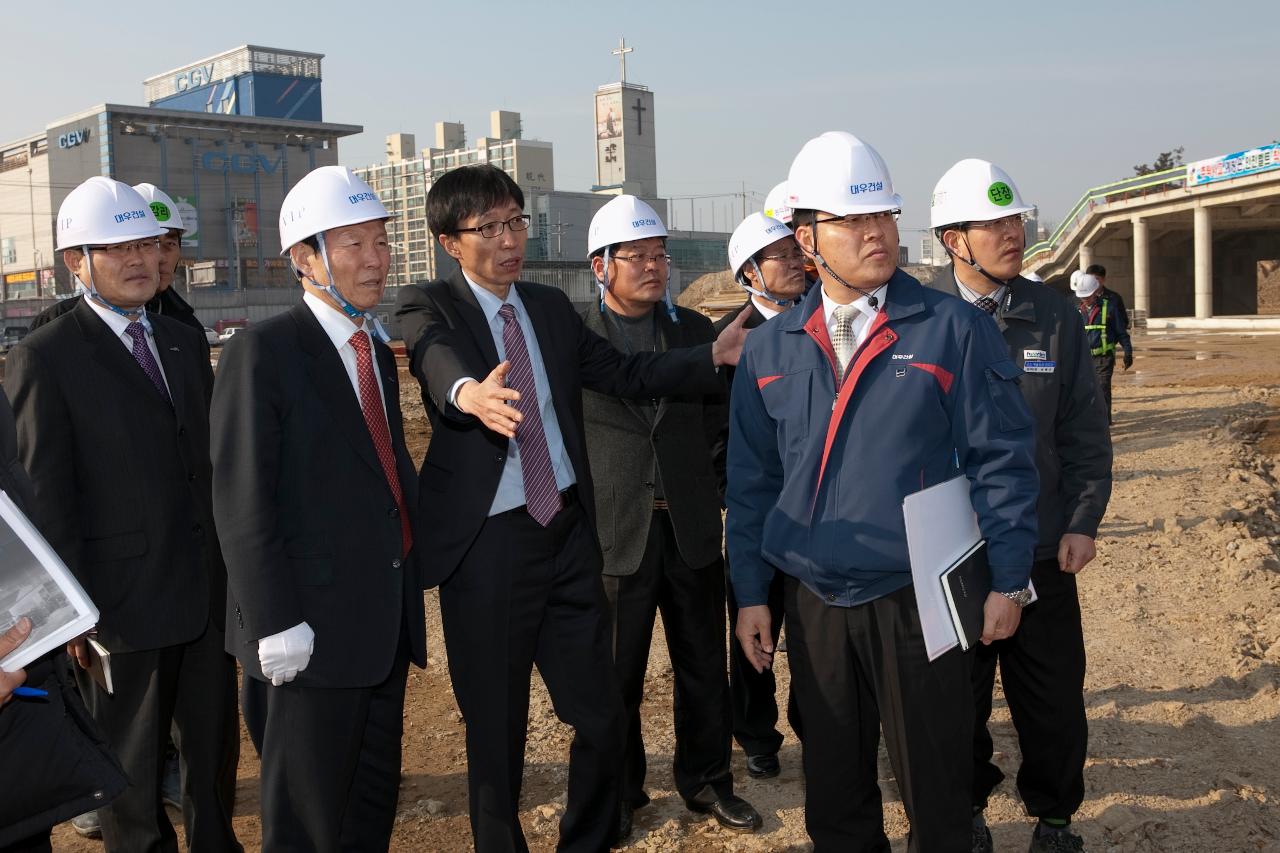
{"x":986,"y":303}
{"x":542,"y":498}
{"x":147,"y":361}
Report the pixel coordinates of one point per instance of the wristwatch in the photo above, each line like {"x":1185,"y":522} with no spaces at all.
{"x":1020,"y":597}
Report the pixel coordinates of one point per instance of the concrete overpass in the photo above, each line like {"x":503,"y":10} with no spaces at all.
{"x":1200,"y":240}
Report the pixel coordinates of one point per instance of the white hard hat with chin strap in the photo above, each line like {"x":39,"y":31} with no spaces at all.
{"x":838,"y":173}
{"x":753,"y":234}
{"x":329,"y":197}
{"x":104,"y":212}
{"x":974,"y":191}
{"x":623,"y":219}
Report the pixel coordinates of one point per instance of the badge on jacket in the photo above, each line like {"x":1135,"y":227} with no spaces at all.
{"x":1038,"y":366}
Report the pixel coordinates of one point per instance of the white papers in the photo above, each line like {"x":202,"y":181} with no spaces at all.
{"x":34,"y":582}
{"x":941,"y":528}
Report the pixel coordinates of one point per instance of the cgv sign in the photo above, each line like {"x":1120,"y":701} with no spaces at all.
{"x":240,"y":164}
{"x":73,"y":138}
{"x":193,"y":78}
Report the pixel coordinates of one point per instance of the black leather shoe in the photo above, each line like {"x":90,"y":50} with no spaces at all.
{"x":625,"y":824}
{"x":731,"y":812}
{"x":764,"y":766}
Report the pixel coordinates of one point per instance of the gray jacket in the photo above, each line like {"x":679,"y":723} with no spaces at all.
{"x":630,"y":448}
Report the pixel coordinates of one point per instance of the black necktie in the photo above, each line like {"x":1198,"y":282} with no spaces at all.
{"x":986,"y":303}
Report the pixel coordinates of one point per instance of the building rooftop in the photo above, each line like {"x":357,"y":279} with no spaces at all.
{"x":229,"y":63}
{"x":187,"y":118}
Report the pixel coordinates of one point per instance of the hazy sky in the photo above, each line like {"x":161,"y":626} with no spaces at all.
{"x":1063,"y":99}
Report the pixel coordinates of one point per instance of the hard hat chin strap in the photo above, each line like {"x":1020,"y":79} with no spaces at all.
{"x":346,"y":307}
{"x":973,"y":262}
{"x":603,"y":284}
{"x":92,"y":292}
{"x":763,"y":290}
{"x":872,"y":300}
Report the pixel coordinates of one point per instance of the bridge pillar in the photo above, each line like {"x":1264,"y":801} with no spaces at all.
{"x":1086,"y":257}
{"x":1202,"y":228}
{"x":1141,"y":268}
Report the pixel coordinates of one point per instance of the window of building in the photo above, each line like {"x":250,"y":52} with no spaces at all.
{"x":9,"y":250}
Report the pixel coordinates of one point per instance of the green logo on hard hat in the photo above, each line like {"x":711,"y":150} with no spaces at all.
{"x":1000,"y":194}
{"x":161,"y":211}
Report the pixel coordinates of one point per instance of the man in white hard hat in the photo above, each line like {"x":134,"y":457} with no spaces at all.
{"x":314,"y":491}
{"x":1104,"y":324}
{"x":977,"y":214}
{"x":1099,"y":272}
{"x":167,"y":300}
{"x":778,"y":206}
{"x":656,"y":493}
{"x":170,"y":304}
{"x":502,"y":364}
{"x":871,"y":389}
{"x":113,"y":427}
{"x":766,"y":262}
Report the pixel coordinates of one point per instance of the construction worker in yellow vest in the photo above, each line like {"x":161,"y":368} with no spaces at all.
{"x":1104,"y":326}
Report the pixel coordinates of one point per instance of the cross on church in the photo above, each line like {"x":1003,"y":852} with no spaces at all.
{"x":640,"y":111}
{"x":621,"y":52}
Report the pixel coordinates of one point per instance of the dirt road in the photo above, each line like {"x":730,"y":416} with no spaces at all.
{"x":1182,"y":621}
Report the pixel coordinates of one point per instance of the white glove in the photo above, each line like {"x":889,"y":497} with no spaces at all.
{"x":286,"y":654}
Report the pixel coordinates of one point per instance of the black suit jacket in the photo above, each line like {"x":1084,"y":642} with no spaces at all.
{"x":448,"y":339}
{"x":121,"y":478}
{"x":629,"y":445}
{"x":308,"y":521}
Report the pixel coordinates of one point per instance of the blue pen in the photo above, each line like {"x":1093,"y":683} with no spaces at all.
{"x":29,"y":691}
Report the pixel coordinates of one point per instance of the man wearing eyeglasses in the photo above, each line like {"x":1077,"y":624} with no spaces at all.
{"x":977,"y":214}
{"x":167,"y":300}
{"x":507,"y":505}
{"x":113,"y":426}
{"x":658,"y":507}
{"x":871,"y":389}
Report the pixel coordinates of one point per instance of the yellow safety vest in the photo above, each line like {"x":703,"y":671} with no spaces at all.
{"x":1107,"y":347}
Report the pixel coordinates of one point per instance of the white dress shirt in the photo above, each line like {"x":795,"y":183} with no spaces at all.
{"x":339,"y":328}
{"x":117,"y":323}
{"x":862,"y":322}
{"x":766,"y":308}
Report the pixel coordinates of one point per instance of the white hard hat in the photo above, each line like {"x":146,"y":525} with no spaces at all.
{"x":776,"y":206}
{"x":623,"y":219}
{"x":162,"y":207}
{"x":101,"y":212}
{"x":974,"y":191}
{"x":328,"y":197}
{"x":839,"y":173}
{"x":1033,"y":276}
{"x":753,"y":234}
{"x":1083,"y":284}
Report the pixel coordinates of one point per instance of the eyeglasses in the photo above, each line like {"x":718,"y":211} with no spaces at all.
{"x":122,"y":250}
{"x":643,"y":260}
{"x":794,"y":256}
{"x":861,"y":221}
{"x":493,"y":229}
{"x":1013,"y":222}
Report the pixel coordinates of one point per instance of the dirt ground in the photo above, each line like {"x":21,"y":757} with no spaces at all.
{"x":1182,"y":624}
